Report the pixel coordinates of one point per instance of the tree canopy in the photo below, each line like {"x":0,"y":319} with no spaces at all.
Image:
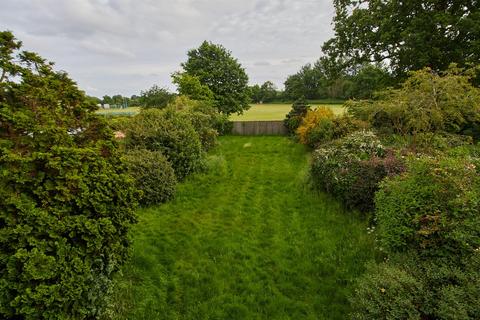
{"x":215,"y":67}
{"x":155,"y":97}
{"x":190,"y":86}
{"x":267,"y":92}
{"x":407,"y":35}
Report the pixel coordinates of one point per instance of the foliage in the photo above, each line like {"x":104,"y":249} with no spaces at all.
{"x":66,"y":203}
{"x":351,"y":168}
{"x":432,"y":209}
{"x":153,"y":174}
{"x":426,"y":102}
{"x":295,"y":116}
{"x":311,"y":120}
{"x":309,"y":82}
{"x":318,"y":81}
{"x":119,"y":123}
{"x":203,"y":117}
{"x":429,"y":229}
{"x":246,"y":240}
{"x":328,"y":129}
{"x":387,"y":292}
{"x":368,"y":80}
{"x":265,"y":93}
{"x":409,"y":35}
{"x":215,"y":67}
{"x":409,"y":286}
{"x":169,"y":132}
{"x":191,"y":87}
{"x":155,"y":97}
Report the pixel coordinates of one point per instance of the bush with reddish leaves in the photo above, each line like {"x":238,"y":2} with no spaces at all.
{"x":351,"y":168}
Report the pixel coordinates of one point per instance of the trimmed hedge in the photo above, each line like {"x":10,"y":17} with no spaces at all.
{"x":153,"y":175}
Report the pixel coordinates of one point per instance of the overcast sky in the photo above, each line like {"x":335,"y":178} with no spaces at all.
{"x":125,"y":46}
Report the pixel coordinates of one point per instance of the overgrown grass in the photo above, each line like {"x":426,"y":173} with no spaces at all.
{"x":246,"y":240}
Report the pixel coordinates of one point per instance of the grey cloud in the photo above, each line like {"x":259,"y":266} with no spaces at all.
{"x":124,"y":46}
{"x":262,"y":64}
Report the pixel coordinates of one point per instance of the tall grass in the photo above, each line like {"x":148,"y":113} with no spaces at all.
{"x":246,"y":240}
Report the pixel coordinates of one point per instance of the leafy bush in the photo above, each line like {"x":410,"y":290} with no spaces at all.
{"x":169,"y":132}
{"x":153,"y":174}
{"x":119,"y":123}
{"x":66,"y":202}
{"x":310,"y":121}
{"x":295,"y":116}
{"x":426,"y":102}
{"x":434,"y":208}
{"x":328,"y":129}
{"x":429,"y":228}
{"x":203,"y":117}
{"x":387,"y":291}
{"x":351,"y":168}
{"x":409,"y":286}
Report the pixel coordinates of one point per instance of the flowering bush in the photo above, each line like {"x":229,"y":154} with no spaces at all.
{"x":351,"y":168}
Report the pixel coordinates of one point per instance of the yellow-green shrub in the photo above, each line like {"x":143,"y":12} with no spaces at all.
{"x":310,"y":121}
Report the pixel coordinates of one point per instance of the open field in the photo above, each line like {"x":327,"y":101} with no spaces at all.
{"x":247,"y":240}
{"x":119,"y":112}
{"x":276,"y":111}
{"x":265,"y":111}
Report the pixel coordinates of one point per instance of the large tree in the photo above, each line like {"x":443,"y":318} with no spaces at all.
{"x":215,"y":67}
{"x":407,"y":35}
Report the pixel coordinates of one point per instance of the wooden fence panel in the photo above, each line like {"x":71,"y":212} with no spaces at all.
{"x":255,"y":128}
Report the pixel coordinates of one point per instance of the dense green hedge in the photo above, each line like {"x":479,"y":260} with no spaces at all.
{"x":66,"y":202}
{"x":169,"y":132}
{"x":153,"y":175}
{"x":429,"y":232}
{"x":433,"y":209}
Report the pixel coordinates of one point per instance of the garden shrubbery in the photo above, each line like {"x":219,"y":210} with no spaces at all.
{"x":66,"y":201}
{"x":319,"y":126}
{"x":420,"y":178}
{"x":426,"y":103}
{"x":429,"y":230}
{"x":295,"y":116}
{"x":169,"y":132}
{"x":311,"y":120}
{"x":153,"y":175}
{"x":428,"y":217}
{"x":434,"y":208}
{"x":351,"y":168}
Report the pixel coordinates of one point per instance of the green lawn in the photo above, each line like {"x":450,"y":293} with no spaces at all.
{"x":119,"y":112}
{"x":276,"y":111}
{"x":247,"y":240}
{"x":266,"y":111}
